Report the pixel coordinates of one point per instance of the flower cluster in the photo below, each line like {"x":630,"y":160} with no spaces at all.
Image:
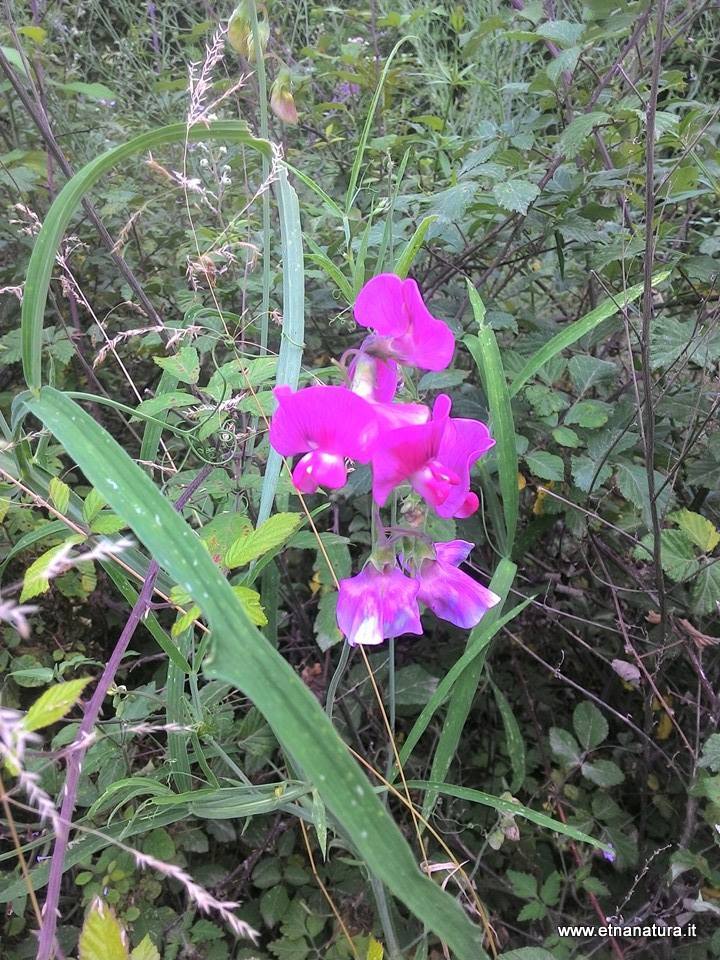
{"x":405,"y":444}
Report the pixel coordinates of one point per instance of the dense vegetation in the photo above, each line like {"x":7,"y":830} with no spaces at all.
{"x":181,"y":706}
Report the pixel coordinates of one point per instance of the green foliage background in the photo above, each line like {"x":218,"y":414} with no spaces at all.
{"x":549,"y":173}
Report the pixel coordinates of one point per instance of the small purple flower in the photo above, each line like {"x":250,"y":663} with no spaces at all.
{"x":327,"y":424}
{"x":609,"y":855}
{"x":405,"y":330}
{"x":377,"y":604}
{"x":451,"y":594}
{"x":435,"y":458}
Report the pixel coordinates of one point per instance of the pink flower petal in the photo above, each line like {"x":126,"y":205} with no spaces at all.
{"x":329,"y":419}
{"x":380,"y":305}
{"x":377,"y":604}
{"x":374,"y":378}
{"x":451,"y":594}
{"x":318,"y":469}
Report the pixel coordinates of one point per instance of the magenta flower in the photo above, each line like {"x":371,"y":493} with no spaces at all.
{"x":405,"y":330}
{"x":377,"y":604}
{"x":451,"y":594}
{"x":435,"y":458}
{"x":327,"y":424}
{"x":377,"y":381}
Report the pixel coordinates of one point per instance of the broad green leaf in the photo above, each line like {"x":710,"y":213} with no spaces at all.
{"x":564,"y":745}
{"x":577,"y":132}
{"x":94,"y":502}
{"x":509,"y":807}
{"x":59,"y":494}
{"x":546,"y":466}
{"x":93,"y":91}
{"x":589,"y":414}
{"x":523,"y":884}
{"x":706,"y":589}
{"x":563,"y":32}
{"x":604,"y":773}
{"x":516,"y":195}
{"x":633,"y":483}
{"x":701,"y":531}
{"x":566,"y":437}
{"x":241,"y":655}
{"x":102,"y":936}
{"x":585,"y":470}
{"x":574,"y":331}
{"x":677,"y":554}
{"x":276,"y":531}
{"x":375,"y":950}
{"x":183,"y":365}
{"x":54,"y":703}
{"x":527,"y":953}
{"x":590,"y":726}
{"x":173,"y":400}
{"x":711,"y":753}
{"x":145,"y":950}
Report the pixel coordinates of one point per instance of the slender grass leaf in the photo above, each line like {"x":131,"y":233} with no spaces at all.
{"x":407,"y":257}
{"x":513,"y":739}
{"x":570,"y":334}
{"x":240,"y":655}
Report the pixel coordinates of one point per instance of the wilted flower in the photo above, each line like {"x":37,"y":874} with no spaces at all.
{"x":327,"y":424}
{"x":435,"y":458}
{"x":240,"y":34}
{"x":451,"y":594}
{"x":405,"y":330}
{"x":377,"y":604}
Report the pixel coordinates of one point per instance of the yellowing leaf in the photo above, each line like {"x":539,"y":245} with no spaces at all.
{"x":59,"y":494}
{"x":54,"y":703}
{"x":375,"y":950}
{"x":102,"y":937}
{"x":145,"y":950}
{"x":698,"y":528}
{"x":664,"y":727}
{"x":268,"y":536}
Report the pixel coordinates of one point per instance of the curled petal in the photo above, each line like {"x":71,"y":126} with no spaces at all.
{"x":463,"y":442}
{"x":330,"y":419}
{"x":450,"y":593}
{"x":319,"y":469}
{"x":453,"y":552}
{"x":377,"y":604}
{"x":403,"y":453}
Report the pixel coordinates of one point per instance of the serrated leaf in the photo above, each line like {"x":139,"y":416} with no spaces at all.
{"x":59,"y":494}
{"x":36,"y":579}
{"x":546,"y":466}
{"x":532,"y":911}
{"x":375,"y":950}
{"x":633,"y":483}
{"x":677,"y":554}
{"x":92,"y":506}
{"x":711,"y":753}
{"x":273,"y":905}
{"x":566,"y":437}
{"x":577,"y":132}
{"x":54,"y":703}
{"x":550,"y":890}
{"x":588,"y":413}
{"x":590,"y":726}
{"x":102,"y":937}
{"x":145,"y":950}
{"x":516,"y":195}
{"x":184,"y":365}
{"x":706,"y":590}
{"x":523,"y":884}
{"x":269,"y":535}
{"x":107,"y":523}
{"x":699,"y":529}
{"x":585,"y":470}
{"x":563,"y":32}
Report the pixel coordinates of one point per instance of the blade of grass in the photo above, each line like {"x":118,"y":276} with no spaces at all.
{"x":486,"y":354}
{"x":407,"y":257}
{"x":571,"y":333}
{"x":242,"y":656}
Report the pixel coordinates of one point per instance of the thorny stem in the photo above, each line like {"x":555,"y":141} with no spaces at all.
{"x":648,"y":311}
{"x":92,"y":711}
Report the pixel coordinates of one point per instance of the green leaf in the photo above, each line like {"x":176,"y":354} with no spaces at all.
{"x":145,"y":950}
{"x":550,"y":890}
{"x":37,"y":576}
{"x":699,"y":529}
{"x":523,"y":884}
{"x":486,"y":354}
{"x":172,"y":400}
{"x":516,"y":195}
{"x":513,"y":739}
{"x":407,"y":257}
{"x":706,"y":590}
{"x":578,"y":131}
{"x":240,"y":655}
{"x":711,"y":753}
{"x":59,"y":494}
{"x":527,"y":953}
{"x":579,"y":328}
{"x":93,"y":91}
{"x":54,"y":703}
{"x":590,"y":726}
{"x":677,"y":554}
{"x":566,"y":437}
{"x":276,"y":531}
{"x":588,"y":413}
{"x":585,"y":470}
{"x":633,"y":483}
{"x":604,"y":773}
{"x":184,"y":365}
{"x":273,"y":905}
{"x":94,"y":502}
{"x":102,"y":937}
{"x":532,"y":911}
{"x":563,"y":32}
{"x":546,"y":466}
{"x":509,"y":807}
{"x":564,"y":745}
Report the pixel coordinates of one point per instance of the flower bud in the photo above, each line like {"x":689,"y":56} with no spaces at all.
{"x":240,"y":33}
{"x":282,"y":103}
